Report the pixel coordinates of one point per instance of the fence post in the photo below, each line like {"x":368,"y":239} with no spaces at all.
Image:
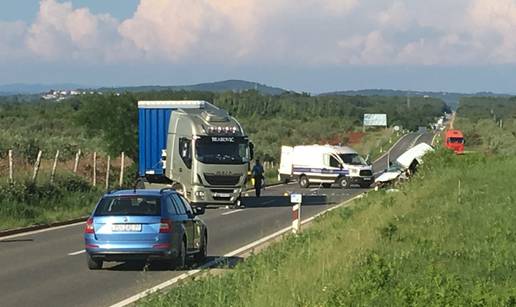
{"x":53,"y":174}
{"x":77,"y":156}
{"x":36,"y":166}
{"x":121,"y":181}
{"x":94,"y":168}
{"x":107,"y":172}
{"x":296,"y":199}
{"x":10,"y":166}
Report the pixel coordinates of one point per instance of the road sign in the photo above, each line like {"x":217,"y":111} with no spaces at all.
{"x":375,"y":120}
{"x":296,"y":198}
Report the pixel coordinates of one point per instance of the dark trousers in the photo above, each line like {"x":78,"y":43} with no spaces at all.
{"x":257,"y":186}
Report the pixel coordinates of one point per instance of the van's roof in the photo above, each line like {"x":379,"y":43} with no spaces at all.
{"x":327,"y":149}
{"x":454,"y":133}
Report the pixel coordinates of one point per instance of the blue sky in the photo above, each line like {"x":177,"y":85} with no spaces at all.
{"x":310,"y":45}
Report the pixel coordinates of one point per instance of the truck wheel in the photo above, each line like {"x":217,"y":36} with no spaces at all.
{"x":304,"y":182}
{"x":94,"y":264}
{"x":343,"y":182}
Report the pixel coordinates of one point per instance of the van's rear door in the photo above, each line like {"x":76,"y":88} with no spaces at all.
{"x":286,"y":160}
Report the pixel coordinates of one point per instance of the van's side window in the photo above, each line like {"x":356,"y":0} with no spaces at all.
{"x":185,"y":151}
{"x":334,"y":162}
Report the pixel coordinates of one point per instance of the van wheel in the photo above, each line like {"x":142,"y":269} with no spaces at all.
{"x":343,"y":182}
{"x":304,"y":182}
{"x":94,"y":264}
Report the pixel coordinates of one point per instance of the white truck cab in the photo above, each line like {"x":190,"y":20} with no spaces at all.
{"x":324,"y":165}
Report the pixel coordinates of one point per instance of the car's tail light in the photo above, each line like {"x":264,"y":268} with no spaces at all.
{"x":161,"y":245}
{"x":89,"y":226}
{"x":165,"y":226}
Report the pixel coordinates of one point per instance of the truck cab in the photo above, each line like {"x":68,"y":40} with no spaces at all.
{"x":204,"y":152}
{"x":454,"y":140}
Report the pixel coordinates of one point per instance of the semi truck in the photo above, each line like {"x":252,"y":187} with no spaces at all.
{"x":194,"y":147}
{"x":324,"y":165}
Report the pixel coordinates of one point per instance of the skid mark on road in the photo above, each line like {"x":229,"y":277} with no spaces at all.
{"x":76,"y":253}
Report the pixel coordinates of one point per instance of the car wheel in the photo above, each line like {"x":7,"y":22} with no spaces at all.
{"x":94,"y":264}
{"x":180,"y":261}
{"x":343,"y":182}
{"x":326,"y":185}
{"x":304,"y":182}
{"x":203,"y":252}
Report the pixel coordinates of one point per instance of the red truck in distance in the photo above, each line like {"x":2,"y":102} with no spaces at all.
{"x":454,"y":139}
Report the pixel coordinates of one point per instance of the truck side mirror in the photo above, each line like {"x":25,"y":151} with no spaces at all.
{"x":251,"y":150}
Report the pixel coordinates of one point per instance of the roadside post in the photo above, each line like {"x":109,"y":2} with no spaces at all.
{"x":122,"y":160}
{"x":53,"y":174}
{"x":296,"y":200}
{"x":36,"y":166}
{"x":10,"y":166}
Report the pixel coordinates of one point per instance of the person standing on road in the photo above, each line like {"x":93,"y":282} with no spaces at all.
{"x":257,"y":174}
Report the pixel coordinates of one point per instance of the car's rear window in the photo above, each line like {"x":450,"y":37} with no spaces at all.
{"x":129,"y":205}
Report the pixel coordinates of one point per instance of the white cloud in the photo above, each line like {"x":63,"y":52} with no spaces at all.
{"x":61,"y":32}
{"x":286,"y":32}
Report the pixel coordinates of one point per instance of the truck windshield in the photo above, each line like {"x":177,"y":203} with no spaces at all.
{"x":353,"y":159}
{"x":456,"y":140}
{"x":222,"y":150}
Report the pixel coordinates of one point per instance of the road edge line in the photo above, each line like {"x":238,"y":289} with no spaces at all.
{"x":238,"y":251}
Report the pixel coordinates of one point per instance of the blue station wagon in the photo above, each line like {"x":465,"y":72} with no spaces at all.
{"x":145,"y":225}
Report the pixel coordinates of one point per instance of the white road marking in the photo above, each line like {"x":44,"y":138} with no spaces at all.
{"x":39,"y":231}
{"x":313,"y":190}
{"x":249,"y":246}
{"x":77,"y":253}
{"x":231,"y":212}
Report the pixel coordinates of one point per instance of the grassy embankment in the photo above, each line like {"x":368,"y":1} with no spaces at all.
{"x":447,"y":238}
{"x":488,"y":123}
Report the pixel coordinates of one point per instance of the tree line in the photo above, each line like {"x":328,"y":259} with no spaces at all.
{"x":109,"y":122}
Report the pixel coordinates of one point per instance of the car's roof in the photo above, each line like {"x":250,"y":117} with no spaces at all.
{"x":140,"y":192}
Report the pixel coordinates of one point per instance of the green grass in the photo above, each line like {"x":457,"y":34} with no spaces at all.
{"x":486,"y":135}
{"x":430,"y":244}
{"x":25,"y":203}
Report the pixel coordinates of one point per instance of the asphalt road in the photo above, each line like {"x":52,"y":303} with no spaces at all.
{"x":49,"y":268}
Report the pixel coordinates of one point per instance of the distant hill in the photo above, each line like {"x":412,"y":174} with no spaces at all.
{"x":451,"y":98}
{"x":220,"y":86}
{"x":22,"y":88}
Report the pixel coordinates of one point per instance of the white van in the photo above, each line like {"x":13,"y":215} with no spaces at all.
{"x":324,"y":164}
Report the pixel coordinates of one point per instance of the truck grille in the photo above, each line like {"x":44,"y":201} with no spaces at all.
{"x":366,"y":173}
{"x":222,"y":180}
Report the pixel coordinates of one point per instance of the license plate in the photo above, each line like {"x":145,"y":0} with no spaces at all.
{"x":222,"y":195}
{"x":367,"y":178}
{"x":126,"y":227}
